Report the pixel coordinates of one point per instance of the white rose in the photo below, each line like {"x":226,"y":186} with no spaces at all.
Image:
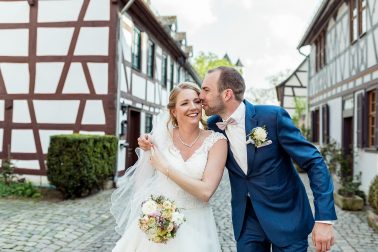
{"x":260,"y":134}
{"x":177,"y":218}
{"x":167,"y":204}
{"x":149,"y":207}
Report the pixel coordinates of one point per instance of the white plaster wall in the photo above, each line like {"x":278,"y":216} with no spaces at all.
{"x":23,"y":141}
{"x":53,"y":41}
{"x":46,"y":134}
{"x":16,"y":77}
{"x":98,"y":10}
{"x":122,"y":78}
{"x":21,"y":111}
{"x":150,"y":91}
{"x":1,"y":139}
{"x":2,"y":110}
{"x":139,"y":87}
{"x":164,"y":97}
{"x":58,"y":10}
{"x":37,"y":180}
{"x":76,"y":82}
{"x":335,"y":112}
{"x":92,"y":41}
{"x":14,"y":42}
{"x":101,"y":133}
{"x":367,"y":164}
{"x":26,"y":164}
{"x":56,"y":111}
{"x":14,"y":12}
{"x":126,"y":41}
{"x":93,"y":113}
{"x":47,"y":77}
{"x":99,"y":75}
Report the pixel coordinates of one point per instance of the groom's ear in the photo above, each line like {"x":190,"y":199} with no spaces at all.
{"x":228,"y":94}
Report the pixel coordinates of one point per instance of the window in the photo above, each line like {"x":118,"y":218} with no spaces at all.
{"x":178,"y":74}
{"x":315,"y":125}
{"x":372,"y":104}
{"x":150,"y":59}
{"x":164,"y":70}
{"x":172,"y":75}
{"x":148,"y":126}
{"x":320,"y":43}
{"x":357,"y":19}
{"x":136,"y":49}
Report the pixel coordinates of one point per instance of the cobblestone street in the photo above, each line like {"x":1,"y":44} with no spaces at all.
{"x":86,"y":225}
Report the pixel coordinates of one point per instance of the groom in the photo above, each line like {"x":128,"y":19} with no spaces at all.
{"x":270,"y":207}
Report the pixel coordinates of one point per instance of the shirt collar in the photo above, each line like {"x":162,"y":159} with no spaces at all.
{"x":239,"y":113}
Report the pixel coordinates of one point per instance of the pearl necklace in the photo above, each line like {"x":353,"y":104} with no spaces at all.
{"x":188,"y":145}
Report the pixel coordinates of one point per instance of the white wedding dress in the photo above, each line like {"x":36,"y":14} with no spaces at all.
{"x":198,"y":233}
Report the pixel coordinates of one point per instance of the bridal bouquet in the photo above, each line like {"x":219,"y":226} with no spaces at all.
{"x":160,"y":219}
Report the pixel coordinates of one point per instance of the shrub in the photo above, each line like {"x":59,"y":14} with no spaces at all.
{"x":19,"y":189}
{"x":373,"y":194}
{"x":78,"y":164}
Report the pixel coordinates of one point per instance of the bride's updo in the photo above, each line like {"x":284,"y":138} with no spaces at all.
{"x":173,"y":99}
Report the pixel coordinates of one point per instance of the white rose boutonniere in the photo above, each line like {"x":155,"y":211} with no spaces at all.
{"x":258,"y":137}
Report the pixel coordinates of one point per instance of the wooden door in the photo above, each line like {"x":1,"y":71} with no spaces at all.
{"x":133,"y":132}
{"x":347,"y":142}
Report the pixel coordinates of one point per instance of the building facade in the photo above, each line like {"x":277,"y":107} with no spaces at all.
{"x":82,"y":66}
{"x":343,"y":80}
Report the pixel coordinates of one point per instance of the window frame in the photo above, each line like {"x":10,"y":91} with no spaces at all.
{"x":136,"y":50}
{"x":164,"y":70}
{"x":150,"y":59}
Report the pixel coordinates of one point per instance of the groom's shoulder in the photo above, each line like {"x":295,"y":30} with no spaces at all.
{"x":212,"y":120}
{"x":268,"y":109}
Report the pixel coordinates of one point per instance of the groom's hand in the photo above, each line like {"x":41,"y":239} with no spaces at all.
{"x":322,"y":236}
{"x":144,"y":142}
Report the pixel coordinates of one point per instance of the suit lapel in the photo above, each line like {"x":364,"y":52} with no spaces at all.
{"x":250,"y":123}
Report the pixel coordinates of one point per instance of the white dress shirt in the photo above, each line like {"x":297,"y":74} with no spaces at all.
{"x":237,"y":137}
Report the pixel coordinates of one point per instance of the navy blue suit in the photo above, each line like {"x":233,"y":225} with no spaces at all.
{"x":277,"y":194}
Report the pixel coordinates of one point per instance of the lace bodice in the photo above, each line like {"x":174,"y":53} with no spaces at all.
{"x":194,"y":167}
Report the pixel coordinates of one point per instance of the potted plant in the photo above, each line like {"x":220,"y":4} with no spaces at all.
{"x":373,"y":202}
{"x":346,"y":196}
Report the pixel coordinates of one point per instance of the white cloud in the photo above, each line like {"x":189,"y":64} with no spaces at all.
{"x":193,"y":14}
{"x":247,"y":4}
{"x":287,"y":28}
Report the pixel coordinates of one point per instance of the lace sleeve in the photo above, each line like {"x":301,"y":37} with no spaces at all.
{"x":212,"y":139}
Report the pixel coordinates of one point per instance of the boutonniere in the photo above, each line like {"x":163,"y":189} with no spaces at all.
{"x":258,"y":137}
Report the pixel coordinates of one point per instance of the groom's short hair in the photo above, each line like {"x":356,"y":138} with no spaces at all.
{"x":230,"y":78}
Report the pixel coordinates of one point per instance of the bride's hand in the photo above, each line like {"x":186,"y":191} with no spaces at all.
{"x":157,"y":160}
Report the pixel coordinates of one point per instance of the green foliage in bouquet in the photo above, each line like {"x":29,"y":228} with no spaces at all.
{"x":78,"y":164}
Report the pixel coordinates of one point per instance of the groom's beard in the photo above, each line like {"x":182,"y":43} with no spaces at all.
{"x":217,"y":108}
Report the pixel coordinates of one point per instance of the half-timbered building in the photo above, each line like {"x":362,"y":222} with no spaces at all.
{"x":83,"y":66}
{"x":343,"y":80}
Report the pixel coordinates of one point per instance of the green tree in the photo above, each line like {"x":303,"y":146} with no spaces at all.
{"x":204,"y":62}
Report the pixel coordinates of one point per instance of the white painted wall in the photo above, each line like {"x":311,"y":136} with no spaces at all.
{"x":98,"y":10}
{"x":47,"y":41}
{"x":14,"y":42}
{"x":335,"y":112}
{"x":47,"y":77}
{"x":58,"y":10}
{"x":2,"y":110}
{"x":16,"y":77}
{"x":56,"y":111}
{"x":93,"y":41}
{"x":76,"y":82}
{"x":23,"y":141}
{"x":99,"y":75}
{"x":93,"y":113}
{"x":21,"y":111}
{"x":14,"y":12}
{"x":139,"y":86}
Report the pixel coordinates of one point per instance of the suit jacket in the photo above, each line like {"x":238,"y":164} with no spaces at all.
{"x":273,"y":184}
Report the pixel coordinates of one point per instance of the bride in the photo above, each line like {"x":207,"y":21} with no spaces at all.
{"x":185,"y":164}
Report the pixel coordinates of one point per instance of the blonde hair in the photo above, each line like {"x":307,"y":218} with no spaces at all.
{"x":173,"y":99}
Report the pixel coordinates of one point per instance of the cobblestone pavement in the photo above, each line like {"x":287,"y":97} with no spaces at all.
{"x":86,"y":225}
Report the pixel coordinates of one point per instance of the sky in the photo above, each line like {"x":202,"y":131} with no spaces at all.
{"x":263,"y":34}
